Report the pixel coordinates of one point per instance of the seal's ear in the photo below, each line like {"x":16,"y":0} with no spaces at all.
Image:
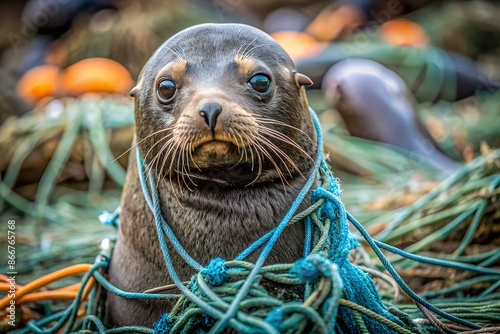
{"x":134,"y":91}
{"x":302,"y":80}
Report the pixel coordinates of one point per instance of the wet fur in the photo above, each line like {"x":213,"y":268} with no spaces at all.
{"x":216,"y":208}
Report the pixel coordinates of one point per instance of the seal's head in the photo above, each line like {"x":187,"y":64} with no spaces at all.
{"x":223,"y":103}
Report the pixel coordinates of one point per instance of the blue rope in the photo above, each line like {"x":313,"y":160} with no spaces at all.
{"x":401,"y":282}
{"x":131,"y":295}
{"x":262,"y":240}
{"x":216,"y":272}
{"x":162,"y":226}
{"x":110,"y":218}
{"x":308,"y":226}
{"x":436,"y":262}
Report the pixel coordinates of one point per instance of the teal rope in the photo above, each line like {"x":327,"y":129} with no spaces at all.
{"x":491,"y":260}
{"x":99,"y":138}
{"x":131,"y":295}
{"x":447,"y":183}
{"x":375,"y":246}
{"x":461,"y":285}
{"x":492,"y":288}
{"x":61,"y":154}
{"x":436,"y":262}
{"x":151,"y":196}
{"x":91,"y":319}
{"x":472,"y":227}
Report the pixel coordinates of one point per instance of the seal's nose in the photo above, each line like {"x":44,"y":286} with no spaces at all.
{"x":209,"y":112}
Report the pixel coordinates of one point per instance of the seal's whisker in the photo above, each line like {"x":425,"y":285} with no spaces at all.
{"x":185,"y":157}
{"x":247,"y":53}
{"x":180,"y":172}
{"x":174,"y":190}
{"x":154,"y":145}
{"x":169,"y":137}
{"x":259,"y":157}
{"x":279,"y":153}
{"x":261,"y":120}
{"x":155,"y":162}
{"x":170,"y":150}
{"x":150,"y":164}
{"x":247,"y":45}
{"x":242,"y":156}
{"x":278,"y":169}
{"x":174,"y":158}
{"x":178,"y":56}
{"x":237,"y":138}
{"x":140,"y":141}
{"x":183,"y":171}
{"x":252,"y":158}
{"x":284,"y":138}
{"x":190,"y":151}
{"x":179,"y":169}
{"x":251,"y":151}
{"x":186,"y":169}
{"x":165,"y":151}
{"x":157,"y":156}
{"x":259,"y":172}
{"x":243,"y":149}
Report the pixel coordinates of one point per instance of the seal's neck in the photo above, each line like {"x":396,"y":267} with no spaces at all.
{"x":218,"y":220}
{"x":211,"y":221}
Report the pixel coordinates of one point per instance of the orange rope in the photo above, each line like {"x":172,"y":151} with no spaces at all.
{"x":67,"y":293}
{"x":45,"y":280}
{"x":46,"y":295}
{"x":6,"y":280}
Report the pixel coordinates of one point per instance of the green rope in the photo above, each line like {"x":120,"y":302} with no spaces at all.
{"x":61,"y":155}
{"x":99,"y":139}
{"x":373,"y":315}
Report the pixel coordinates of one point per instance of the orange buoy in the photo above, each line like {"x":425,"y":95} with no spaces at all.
{"x":298,"y":45}
{"x":402,"y":32}
{"x":39,"y":82}
{"x":97,"y":75}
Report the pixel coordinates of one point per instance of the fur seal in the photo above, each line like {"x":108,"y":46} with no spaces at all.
{"x":222,"y":120}
{"x":376,"y":104}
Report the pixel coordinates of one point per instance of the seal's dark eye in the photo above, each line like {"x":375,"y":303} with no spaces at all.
{"x":260,"y":83}
{"x":166,"y":90}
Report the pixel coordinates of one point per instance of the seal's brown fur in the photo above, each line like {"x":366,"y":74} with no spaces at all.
{"x":222,"y":188}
